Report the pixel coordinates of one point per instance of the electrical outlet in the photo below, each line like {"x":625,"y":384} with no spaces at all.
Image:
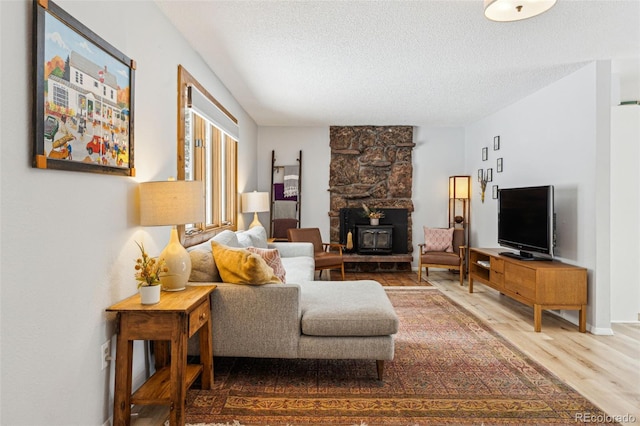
{"x":105,"y":354}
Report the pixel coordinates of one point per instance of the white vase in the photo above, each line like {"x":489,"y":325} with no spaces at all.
{"x":374,"y":221}
{"x":150,"y":294}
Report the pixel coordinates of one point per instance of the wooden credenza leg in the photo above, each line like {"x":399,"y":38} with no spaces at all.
{"x":537,"y":318}
{"x":582,"y":325}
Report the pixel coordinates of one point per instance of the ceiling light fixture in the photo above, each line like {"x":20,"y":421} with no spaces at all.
{"x":515,"y":10}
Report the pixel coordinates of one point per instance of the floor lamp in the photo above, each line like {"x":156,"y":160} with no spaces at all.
{"x":460,"y":207}
{"x":172,"y":203}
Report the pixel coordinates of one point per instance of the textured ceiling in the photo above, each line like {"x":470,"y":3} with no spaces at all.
{"x":439,"y":63}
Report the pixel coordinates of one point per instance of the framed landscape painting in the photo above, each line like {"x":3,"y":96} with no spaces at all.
{"x":83,"y":97}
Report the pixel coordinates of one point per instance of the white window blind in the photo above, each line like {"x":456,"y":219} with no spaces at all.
{"x":217,"y":117}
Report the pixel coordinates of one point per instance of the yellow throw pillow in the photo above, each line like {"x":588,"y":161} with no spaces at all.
{"x":239,"y":266}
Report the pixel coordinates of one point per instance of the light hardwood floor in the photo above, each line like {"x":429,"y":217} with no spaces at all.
{"x":605,"y":369}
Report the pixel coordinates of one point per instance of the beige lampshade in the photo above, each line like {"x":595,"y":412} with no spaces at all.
{"x":459,"y":187}
{"x":515,"y":10}
{"x":171,"y":202}
{"x":255,"y":201}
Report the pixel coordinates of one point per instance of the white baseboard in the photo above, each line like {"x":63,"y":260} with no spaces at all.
{"x":601,"y":331}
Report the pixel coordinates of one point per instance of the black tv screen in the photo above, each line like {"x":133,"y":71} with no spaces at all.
{"x":526,"y":220}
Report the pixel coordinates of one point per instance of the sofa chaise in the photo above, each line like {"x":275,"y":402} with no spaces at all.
{"x":301,"y":318}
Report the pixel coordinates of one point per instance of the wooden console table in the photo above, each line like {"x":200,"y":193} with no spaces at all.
{"x":540,"y":284}
{"x":178,"y":316}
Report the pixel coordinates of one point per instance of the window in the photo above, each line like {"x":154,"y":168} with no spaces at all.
{"x":60,"y":95}
{"x":207,"y":151}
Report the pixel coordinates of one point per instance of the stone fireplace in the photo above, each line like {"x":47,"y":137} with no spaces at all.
{"x":372,"y":165}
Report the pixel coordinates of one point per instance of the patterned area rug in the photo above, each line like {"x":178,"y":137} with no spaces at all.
{"x":449,"y":368}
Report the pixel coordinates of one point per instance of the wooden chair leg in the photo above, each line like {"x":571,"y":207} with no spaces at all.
{"x":342,"y":270}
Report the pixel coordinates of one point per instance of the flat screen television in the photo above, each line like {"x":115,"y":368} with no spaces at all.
{"x":526,"y":221}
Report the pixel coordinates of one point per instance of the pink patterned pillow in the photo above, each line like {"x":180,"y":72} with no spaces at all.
{"x":272,"y":257}
{"x":438,"y":239}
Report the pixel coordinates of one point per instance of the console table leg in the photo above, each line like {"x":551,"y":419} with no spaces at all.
{"x":537,"y":318}
{"x":178,"y":371}
{"x":122,"y":391}
{"x":206,"y":354}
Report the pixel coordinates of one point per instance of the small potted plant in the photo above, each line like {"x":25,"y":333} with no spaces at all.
{"x":148,"y":276}
{"x":373,"y":214}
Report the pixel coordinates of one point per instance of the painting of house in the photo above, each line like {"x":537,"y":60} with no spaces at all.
{"x":87,"y":104}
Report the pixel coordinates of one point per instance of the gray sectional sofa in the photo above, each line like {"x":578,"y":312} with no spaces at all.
{"x":302,"y":318}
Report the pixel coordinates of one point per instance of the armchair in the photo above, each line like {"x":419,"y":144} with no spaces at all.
{"x":323,"y":256}
{"x":432,"y":256}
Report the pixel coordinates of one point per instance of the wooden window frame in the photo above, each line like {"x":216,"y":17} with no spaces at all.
{"x":185,"y":81}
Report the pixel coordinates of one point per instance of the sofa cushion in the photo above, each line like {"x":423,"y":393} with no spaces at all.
{"x":299,"y":268}
{"x":203,"y":267}
{"x":346,"y":308}
{"x":438,"y":239}
{"x":272,"y":257}
{"x":256,"y":237}
{"x":240,"y":266}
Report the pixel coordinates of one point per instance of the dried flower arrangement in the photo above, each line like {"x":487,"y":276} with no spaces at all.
{"x":372,"y":213}
{"x":148,"y":269}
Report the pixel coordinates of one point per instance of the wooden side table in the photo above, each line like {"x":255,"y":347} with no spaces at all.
{"x":178,"y":316}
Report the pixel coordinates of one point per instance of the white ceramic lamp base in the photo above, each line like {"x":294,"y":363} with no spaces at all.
{"x":178,"y":263}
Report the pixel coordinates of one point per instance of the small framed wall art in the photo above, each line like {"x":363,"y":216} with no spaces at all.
{"x":496,"y":143}
{"x":83,"y":97}
{"x":489,"y":175}
{"x":485,"y":153}
{"x":499,"y":165}
{"x":494,"y":192}
{"x":480,"y":175}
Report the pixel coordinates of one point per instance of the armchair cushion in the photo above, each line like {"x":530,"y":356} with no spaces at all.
{"x":440,"y":258}
{"x":438,"y":239}
{"x":240,"y":266}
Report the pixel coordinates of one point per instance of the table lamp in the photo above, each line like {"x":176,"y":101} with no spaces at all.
{"x":254,"y":202}
{"x":176,"y":202}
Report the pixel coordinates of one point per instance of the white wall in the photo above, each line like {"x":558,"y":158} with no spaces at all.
{"x":551,"y":137}
{"x":438,"y":154}
{"x":316,"y":155}
{"x":625,"y":211}
{"x":67,"y":238}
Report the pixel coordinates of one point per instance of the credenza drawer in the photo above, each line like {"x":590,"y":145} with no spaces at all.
{"x":497,"y":264}
{"x":520,"y":280}
{"x":496,"y":275}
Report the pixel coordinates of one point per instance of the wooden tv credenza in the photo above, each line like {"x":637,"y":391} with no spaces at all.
{"x":540,"y":284}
